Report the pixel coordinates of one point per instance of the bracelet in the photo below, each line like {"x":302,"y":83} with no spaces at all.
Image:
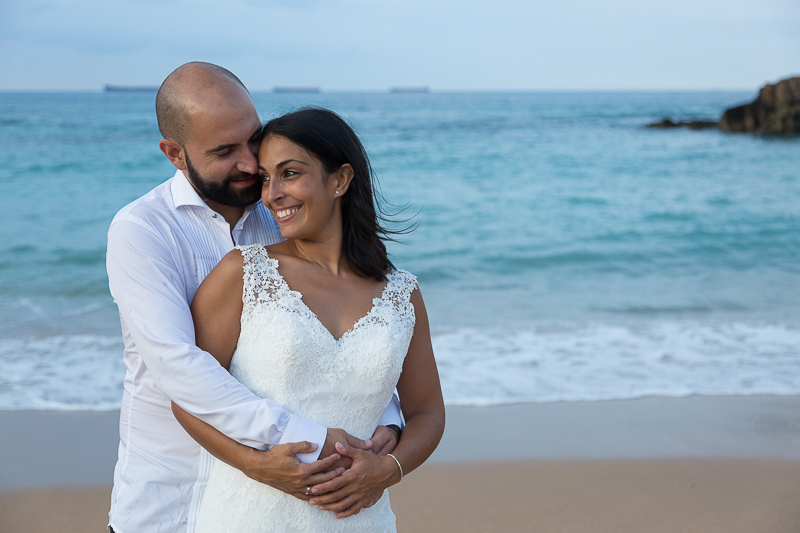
{"x":398,"y":464}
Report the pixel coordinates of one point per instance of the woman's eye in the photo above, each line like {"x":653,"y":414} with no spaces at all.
{"x":264,"y":178}
{"x":290,"y":173}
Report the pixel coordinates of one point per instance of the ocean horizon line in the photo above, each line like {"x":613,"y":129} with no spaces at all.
{"x":431,"y":90}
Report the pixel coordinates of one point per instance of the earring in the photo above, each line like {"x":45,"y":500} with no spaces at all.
{"x":337,"y":192}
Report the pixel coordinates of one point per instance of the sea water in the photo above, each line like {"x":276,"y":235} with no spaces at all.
{"x":564,"y":251}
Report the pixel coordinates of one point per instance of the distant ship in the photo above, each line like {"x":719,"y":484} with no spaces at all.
{"x":312,"y":89}
{"x":131,"y":88}
{"x":421,"y":89}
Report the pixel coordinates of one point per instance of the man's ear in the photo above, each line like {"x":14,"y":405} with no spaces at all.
{"x":342,"y":178}
{"x":174,"y":153}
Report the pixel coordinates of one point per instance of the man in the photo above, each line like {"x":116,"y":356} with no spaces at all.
{"x":160,"y":247}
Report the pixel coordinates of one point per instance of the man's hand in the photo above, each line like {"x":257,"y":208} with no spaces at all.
{"x":384,"y":440}
{"x":339,"y":435}
{"x":281,"y":469}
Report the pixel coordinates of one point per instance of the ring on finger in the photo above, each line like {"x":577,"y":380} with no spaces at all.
{"x":308,"y":490}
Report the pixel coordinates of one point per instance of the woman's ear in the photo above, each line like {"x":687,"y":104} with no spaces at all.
{"x":342,"y":179}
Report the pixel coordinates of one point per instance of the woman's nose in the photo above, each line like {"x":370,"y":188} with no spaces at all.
{"x":271,"y":192}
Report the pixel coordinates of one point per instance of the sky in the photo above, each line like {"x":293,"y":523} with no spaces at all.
{"x":371,"y":45}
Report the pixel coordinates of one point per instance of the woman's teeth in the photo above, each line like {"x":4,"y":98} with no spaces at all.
{"x":286,"y":212}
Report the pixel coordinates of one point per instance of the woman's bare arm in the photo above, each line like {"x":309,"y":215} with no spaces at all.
{"x":217,"y":308}
{"x":420,"y":395}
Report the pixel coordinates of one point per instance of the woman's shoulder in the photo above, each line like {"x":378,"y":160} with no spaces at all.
{"x":223,"y":283}
{"x":228,"y":271}
{"x":279,"y":250}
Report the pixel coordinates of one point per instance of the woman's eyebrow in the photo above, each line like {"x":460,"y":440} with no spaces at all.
{"x":284,"y":163}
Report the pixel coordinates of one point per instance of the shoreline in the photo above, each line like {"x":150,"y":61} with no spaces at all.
{"x":51,"y":448}
{"x":703,"y":463}
{"x":694,"y":426}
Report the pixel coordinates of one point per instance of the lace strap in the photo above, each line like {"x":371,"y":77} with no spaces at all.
{"x":401,"y":284}
{"x":258,"y":272}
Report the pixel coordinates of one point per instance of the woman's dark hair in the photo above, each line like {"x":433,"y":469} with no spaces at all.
{"x":323,"y":133}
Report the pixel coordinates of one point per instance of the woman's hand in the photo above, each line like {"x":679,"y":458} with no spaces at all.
{"x":359,"y":486}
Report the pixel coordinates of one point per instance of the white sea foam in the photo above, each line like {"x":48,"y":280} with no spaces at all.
{"x":548,"y":362}
{"x":538,"y":362}
{"x":63,"y":372}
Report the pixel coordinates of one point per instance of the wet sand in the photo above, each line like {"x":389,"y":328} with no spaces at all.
{"x":695,"y":464}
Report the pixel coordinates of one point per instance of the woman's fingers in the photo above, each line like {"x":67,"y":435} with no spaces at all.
{"x":339,"y":502}
{"x":355,"y":488}
{"x":350,"y":450}
{"x":373,"y":501}
{"x":334,"y":498}
{"x":352,"y":510}
{"x":322,"y":491}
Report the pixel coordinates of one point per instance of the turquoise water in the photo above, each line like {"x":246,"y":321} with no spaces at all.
{"x":564,"y":251}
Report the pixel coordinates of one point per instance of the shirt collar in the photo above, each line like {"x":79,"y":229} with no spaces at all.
{"x":184,"y":194}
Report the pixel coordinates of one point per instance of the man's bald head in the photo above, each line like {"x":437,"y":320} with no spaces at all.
{"x":189,"y":86}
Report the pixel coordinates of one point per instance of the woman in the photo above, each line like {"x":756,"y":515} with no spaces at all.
{"x":323,"y":324}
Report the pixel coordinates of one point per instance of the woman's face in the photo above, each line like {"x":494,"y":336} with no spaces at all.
{"x":297,"y":190}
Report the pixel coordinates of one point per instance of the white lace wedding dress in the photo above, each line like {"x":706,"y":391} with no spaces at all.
{"x":285,"y":353}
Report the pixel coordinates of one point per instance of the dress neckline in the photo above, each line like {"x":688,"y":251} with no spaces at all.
{"x":299,"y":296}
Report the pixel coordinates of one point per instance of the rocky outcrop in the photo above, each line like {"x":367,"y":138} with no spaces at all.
{"x":691,"y":124}
{"x":776,"y":111}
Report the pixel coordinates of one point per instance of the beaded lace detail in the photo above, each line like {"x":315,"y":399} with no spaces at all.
{"x":286,"y":354}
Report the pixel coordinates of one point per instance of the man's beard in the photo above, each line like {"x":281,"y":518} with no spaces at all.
{"x":223,"y":193}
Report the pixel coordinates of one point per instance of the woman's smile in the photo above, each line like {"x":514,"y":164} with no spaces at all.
{"x":285,"y":214}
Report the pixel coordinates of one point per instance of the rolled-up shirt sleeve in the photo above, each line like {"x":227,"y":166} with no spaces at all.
{"x":147,"y":285}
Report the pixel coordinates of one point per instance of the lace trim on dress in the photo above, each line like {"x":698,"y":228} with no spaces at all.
{"x":265,"y":286}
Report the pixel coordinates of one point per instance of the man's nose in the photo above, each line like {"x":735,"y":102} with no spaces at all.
{"x":248,"y":162}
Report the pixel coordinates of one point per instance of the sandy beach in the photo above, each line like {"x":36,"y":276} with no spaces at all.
{"x":705,"y":464}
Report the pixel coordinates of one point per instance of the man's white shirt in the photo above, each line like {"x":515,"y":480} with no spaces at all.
{"x":160,"y":248}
